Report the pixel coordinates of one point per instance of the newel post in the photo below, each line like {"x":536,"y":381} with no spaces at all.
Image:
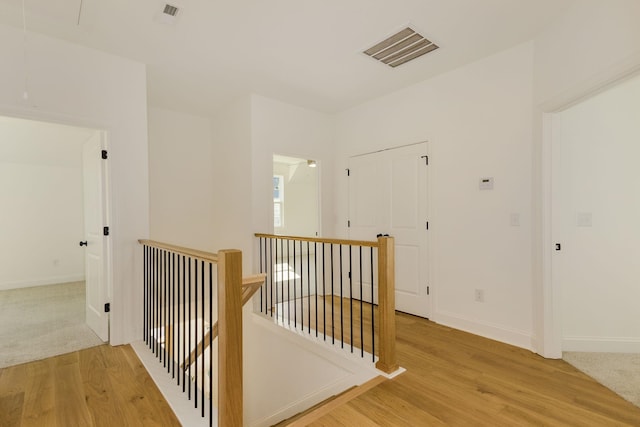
{"x":230,"y":338}
{"x":387,"y":359}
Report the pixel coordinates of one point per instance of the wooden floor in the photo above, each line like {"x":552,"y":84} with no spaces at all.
{"x":100,"y":386}
{"x":453,"y":379}
{"x":458,"y":379}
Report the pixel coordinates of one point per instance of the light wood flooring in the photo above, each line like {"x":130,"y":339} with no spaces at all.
{"x":100,"y":386}
{"x":453,"y":378}
{"x":458,"y":379}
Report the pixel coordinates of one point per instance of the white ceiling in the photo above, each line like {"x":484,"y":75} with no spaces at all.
{"x":305,"y":52}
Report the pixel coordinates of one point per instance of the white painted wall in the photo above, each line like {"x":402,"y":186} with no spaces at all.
{"x":232,"y":174}
{"x":41,"y":221}
{"x":300,"y":199}
{"x":596,"y":211}
{"x":181,"y":184}
{"x":80,"y":86}
{"x":477,"y":120}
{"x":279,"y":128}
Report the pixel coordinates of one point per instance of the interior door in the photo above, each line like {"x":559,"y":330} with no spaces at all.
{"x":388,"y":195}
{"x":95,"y":241}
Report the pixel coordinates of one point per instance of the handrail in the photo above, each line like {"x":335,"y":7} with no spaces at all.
{"x":366,"y":243}
{"x":195,"y":253}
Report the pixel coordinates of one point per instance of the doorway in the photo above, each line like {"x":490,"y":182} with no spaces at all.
{"x":296,"y":196}
{"x":595,"y":208}
{"x":42,"y":221}
{"x":388,"y":195}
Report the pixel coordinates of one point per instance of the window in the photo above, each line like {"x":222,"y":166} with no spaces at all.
{"x":278,"y":200}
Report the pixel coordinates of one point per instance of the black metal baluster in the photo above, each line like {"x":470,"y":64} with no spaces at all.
{"x":153,"y":300}
{"x":341,"y":304}
{"x":271,"y":244}
{"x":295,"y":317}
{"x":173,"y":315}
{"x":195,"y":336}
{"x":315,"y":272}
{"x":324,"y":296}
{"x":333,"y":324}
{"x":179,"y":359}
{"x":282,"y":278}
{"x":190,"y":332}
{"x":288,"y":288}
{"x":373,"y":326}
{"x":202,"y":341}
{"x":261,"y":271}
{"x":351,"y":296}
{"x":184,"y":320}
{"x":163,"y":312}
{"x":211,"y":343}
{"x":158,"y":303}
{"x":144,"y":301}
{"x":308,"y":291}
{"x":361,"y":316}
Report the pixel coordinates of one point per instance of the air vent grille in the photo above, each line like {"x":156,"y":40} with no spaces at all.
{"x":170,"y":10}
{"x":401,"y":48}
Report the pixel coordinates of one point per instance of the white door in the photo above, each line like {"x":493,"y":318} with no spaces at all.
{"x":95,"y":240}
{"x":388,"y":195}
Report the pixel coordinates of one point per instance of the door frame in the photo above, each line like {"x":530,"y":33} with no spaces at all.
{"x":431,"y":235}
{"x":547,"y":308}
{"x":48,"y":117}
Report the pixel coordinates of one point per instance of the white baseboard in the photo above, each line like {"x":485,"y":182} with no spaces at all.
{"x":182,"y":407}
{"x":41,"y":282}
{"x":601,"y":344}
{"x":492,"y":331}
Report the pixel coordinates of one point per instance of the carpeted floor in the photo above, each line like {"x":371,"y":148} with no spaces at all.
{"x":43,"y":321}
{"x":619,"y":372}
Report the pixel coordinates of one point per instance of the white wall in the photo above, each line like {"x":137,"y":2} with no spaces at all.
{"x":181,"y":184}
{"x":80,"y":86}
{"x":596,"y":211}
{"x":477,"y":120}
{"x":279,"y":128}
{"x":42,"y":222}
{"x":232,"y":174}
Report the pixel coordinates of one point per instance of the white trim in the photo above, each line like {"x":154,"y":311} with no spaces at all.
{"x":20,"y":284}
{"x":181,"y":406}
{"x":601,"y":344}
{"x":496,"y":332}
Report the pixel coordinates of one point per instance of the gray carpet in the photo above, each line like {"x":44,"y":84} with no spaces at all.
{"x":43,"y":321}
{"x":619,"y":372}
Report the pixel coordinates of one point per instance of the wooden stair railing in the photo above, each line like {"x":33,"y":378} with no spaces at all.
{"x":250,"y":285}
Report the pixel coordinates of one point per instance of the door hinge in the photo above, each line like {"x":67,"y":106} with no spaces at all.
{"x":426,"y":160}
{"x":348,"y":172}
{"x":105,"y":155}
{"x":105,"y":231}
{"x":107,"y":307}
{"x":348,"y":223}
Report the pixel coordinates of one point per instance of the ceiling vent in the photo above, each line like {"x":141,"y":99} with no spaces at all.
{"x":170,"y":10}
{"x":168,"y":13}
{"x":401,"y":48}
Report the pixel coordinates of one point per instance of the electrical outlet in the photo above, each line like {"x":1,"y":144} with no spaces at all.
{"x":478,"y":295}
